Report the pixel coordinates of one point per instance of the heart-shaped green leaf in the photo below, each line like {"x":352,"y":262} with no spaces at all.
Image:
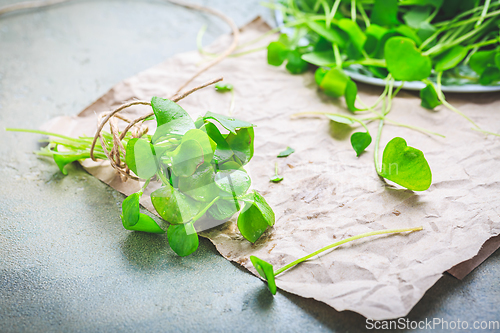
{"x":385,"y":12}
{"x":265,"y":270}
{"x":234,"y":182}
{"x":351,"y":91}
{"x":405,"y":166}
{"x":145,"y":224}
{"x":242,"y":144}
{"x":182,"y":238}
{"x":141,"y":158}
{"x":206,"y":143}
{"x":64,"y":159}
{"x":170,"y":118}
{"x":200,"y":186}
{"x":276,"y":53}
{"x":295,"y":64}
{"x":334,"y":82}
{"x":131,"y":210}
{"x":133,"y":219}
{"x":490,"y":75}
{"x":174,"y":206}
{"x":451,"y":58}
{"x":360,"y":141}
{"x":186,"y":158}
{"x":319,"y":75}
{"x":229,"y":123}
{"x":480,"y":60}
{"x":255,"y":217}
{"x":404,"y":61}
{"x":416,"y":15}
{"x":355,"y":33}
{"x":429,"y":97}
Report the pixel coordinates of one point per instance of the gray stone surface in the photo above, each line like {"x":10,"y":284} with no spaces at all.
{"x":66,"y":263}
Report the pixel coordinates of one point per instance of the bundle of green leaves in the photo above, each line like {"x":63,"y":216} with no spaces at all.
{"x":403,"y":40}
{"x":200,"y":169}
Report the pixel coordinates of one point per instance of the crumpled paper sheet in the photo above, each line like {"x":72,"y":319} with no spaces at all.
{"x":328,"y":193}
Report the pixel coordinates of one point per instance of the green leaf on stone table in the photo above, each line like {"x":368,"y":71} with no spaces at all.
{"x":141,"y":158}
{"x":255,"y":217}
{"x":490,"y":75}
{"x":331,"y":34}
{"x":242,"y":144}
{"x":200,"y":185}
{"x":64,"y":159}
{"x":186,"y":158}
{"x":276,"y":53}
{"x":287,"y":152}
{"x":340,"y":119}
{"x":480,"y":60}
{"x":295,"y":64}
{"x":145,"y":224}
{"x":451,"y":58}
{"x":429,"y":97}
{"x":405,"y":166}
{"x":229,"y":123}
{"x":319,"y":75}
{"x":265,"y":270}
{"x":174,"y":206}
{"x":385,"y":12}
{"x":170,"y":118}
{"x":131,"y":210}
{"x":334,"y":82}
{"x":416,"y":15}
{"x":360,"y":141}
{"x":223,"y":209}
{"x":182,"y":238}
{"x":355,"y":33}
{"x":133,"y":219}
{"x":320,"y":58}
{"x":404,"y":61}
{"x":234,"y":182}
{"x":223,"y":87}
{"x":222,"y":152}
{"x":351,"y":91}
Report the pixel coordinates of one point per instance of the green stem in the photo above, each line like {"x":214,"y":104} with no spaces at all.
{"x":331,"y":15}
{"x":363,"y":14}
{"x":204,"y":210}
{"x":338,"y":59}
{"x":353,"y":10}
{"x":143,"y":188}
{"x":333,"y":114}
{"x":40,"y":132}
{"x":378,"y":167}
{"x":483,"y":14}
{"x":276,"y":169}
{"x":231,"y":106}
{"x":416,"y":128}
{"x":350,"y":239}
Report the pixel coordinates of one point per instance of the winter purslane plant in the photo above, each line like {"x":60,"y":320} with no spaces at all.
{"x":201,"y":171}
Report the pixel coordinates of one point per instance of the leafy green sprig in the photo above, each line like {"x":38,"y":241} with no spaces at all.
{"x":200,"y":167}
{"x":267,"y":272}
